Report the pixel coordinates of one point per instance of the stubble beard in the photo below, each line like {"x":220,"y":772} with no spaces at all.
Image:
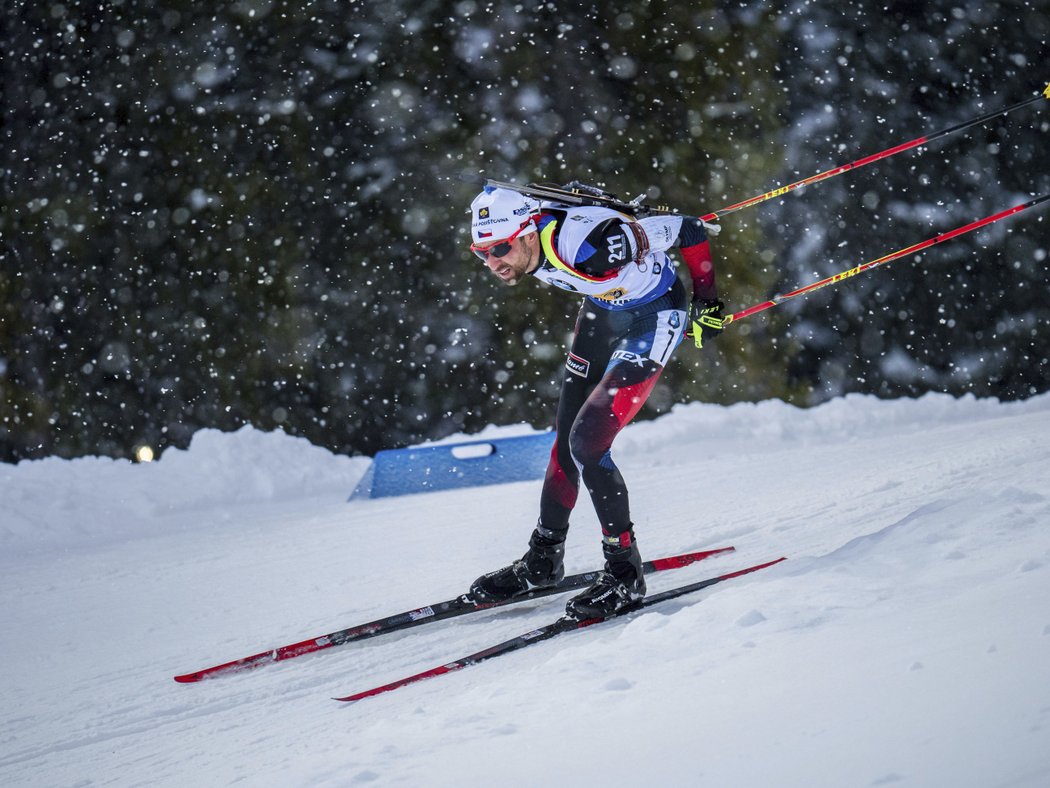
{"x":518,"y":275}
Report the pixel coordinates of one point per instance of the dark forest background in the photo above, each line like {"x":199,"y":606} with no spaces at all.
{"x":255,"y":212}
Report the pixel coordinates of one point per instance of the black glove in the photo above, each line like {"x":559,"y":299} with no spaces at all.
{"x":706,"y":319}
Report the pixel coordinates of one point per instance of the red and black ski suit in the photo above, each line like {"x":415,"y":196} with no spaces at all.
{"x":633,"y":318}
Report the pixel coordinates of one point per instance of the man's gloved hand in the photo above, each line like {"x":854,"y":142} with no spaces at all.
{"x":706,"y":319}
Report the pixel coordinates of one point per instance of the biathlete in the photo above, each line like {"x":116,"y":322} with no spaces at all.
{"x":635,"y":313}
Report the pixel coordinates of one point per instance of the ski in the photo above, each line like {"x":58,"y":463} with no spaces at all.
{"x":577,"y":193}
{"x":563,"y":624}
{"x":461,"y":605}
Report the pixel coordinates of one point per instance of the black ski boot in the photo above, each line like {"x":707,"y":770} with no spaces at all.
{"x":620,"y":586}
{"x":542,"y":566}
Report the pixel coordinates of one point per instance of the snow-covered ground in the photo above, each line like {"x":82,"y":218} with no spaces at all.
{"x":906,"y":641}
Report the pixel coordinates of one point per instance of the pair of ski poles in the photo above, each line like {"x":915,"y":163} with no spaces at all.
{"x":831,"y":280}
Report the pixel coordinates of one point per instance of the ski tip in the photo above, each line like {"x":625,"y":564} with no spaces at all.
{"x":1046,"y":93}
{"x":679,"y":561}
{"x":750,"y":569}
{"x":774,"y":562}
{"x":378,"y":690}
{"x":205,"y":674}
{"x":771,"y":563}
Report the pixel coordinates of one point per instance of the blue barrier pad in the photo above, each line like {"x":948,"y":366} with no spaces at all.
{"x":456,"y":465}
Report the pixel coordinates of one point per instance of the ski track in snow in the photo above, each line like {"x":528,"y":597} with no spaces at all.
{"x":905,"y":642}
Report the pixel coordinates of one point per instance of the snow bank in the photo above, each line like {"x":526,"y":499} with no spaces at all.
{"x":905,"y":641}
{"x":843,"y":419}
{"x":54,"y":502}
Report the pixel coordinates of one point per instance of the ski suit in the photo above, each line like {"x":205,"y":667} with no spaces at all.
{"x":633,"y":318}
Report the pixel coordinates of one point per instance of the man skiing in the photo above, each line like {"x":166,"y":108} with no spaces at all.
{"x":632,"y":319}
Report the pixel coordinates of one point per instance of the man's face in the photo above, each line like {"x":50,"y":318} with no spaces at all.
{"x":516,"y":263}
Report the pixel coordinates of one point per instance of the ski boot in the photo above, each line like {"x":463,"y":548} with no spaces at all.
{"x":620,"y":586}
{"x":541,"y":567}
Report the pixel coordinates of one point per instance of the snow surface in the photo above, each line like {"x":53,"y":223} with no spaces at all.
{"x":905,"y":642}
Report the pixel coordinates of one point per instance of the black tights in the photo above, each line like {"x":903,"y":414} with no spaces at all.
{"x":615,"y":361}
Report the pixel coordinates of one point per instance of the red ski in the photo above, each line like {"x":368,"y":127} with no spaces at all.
{"x":563,"y":624}
{"x":461,"y":605}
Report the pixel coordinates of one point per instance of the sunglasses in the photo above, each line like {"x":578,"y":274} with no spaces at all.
{"x":499,"y":248}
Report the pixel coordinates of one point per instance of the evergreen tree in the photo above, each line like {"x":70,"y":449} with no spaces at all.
{"x":256,"y":212}
{"x":966,"y":317}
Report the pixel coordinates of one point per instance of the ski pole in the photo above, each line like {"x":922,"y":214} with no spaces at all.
{"x":872,"y":158}
{"x":833,"y":280}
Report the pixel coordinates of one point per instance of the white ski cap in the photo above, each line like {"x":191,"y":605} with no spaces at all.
{"x":499,"y":213}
